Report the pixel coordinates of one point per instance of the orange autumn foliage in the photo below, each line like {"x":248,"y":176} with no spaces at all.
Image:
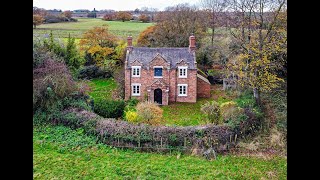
{"x":99,"y":43}
{"x":145,"y":36}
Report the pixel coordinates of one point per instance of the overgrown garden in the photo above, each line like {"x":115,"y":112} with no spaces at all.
{"x":81,"y":86}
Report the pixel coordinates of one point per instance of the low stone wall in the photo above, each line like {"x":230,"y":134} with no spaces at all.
{"x":192,"y":139}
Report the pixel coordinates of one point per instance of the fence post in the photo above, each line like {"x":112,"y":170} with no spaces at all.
{"x":185,"y":143}
{"x":161,"y":142}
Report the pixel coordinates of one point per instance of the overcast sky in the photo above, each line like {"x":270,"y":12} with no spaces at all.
{"x":107,"y":4}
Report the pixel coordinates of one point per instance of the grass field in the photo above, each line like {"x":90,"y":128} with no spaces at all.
{"x":76,"y":29}
{"x":101,"y":88}
{"x":62,"y":153}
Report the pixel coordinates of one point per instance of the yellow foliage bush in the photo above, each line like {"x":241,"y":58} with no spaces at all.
{"x":149,"y":113}
{"x":131,"y":116}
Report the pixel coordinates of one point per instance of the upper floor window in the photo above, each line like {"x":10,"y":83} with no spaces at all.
{"x":182,"y":89}
{"x":136,"y":89}
{"x":182,"y":70}
{"x":136,"y":71}
{"x":158,"y":71}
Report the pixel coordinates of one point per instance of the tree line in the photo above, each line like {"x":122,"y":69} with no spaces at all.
{"x":256,"y":56}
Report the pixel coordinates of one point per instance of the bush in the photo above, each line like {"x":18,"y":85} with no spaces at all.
{"x":93,"y":71}
{"x":212,"y":110}
{"x":131,"y":104}
{"x":131,"y":116}
{"x":78,"y":118}
{"x":109,"y":108}
{"x":242,"y":114}
{"x":149,"y":113}
{"x":51,"y":82}
{"x":230,"y":111}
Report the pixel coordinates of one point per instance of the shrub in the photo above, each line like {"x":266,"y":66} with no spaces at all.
{"x":131,"y":116}
{"x":230,"y":111}
{"x":93,"y":71}
{"x":109,"y":108}
{"x":51,"y":82}
{"x":82,"y":103}
{"x":78,"y":118}
{"x":131,"y":104}
{"x":149,"y":113}
{"x":212,"y":110}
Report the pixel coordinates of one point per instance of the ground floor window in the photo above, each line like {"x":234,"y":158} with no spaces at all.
{"x":136,"y":89}
{"x":182,"y":89}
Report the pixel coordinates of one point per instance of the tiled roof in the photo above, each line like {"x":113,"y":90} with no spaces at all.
{"x":172,"y":55}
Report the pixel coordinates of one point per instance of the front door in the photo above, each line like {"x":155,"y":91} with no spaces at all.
{"x":158,"y":96}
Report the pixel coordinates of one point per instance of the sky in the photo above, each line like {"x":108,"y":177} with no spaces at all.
{"x":118,"y":5}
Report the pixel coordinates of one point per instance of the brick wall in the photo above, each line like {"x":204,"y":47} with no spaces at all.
{"x":203,"y":88}
{"x":169,"y":80}
{"x":191,"y":80}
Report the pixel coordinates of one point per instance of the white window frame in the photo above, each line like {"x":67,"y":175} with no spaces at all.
{"x":138,"y":68}
{"x":186,"y":71}
{"x":185,"y":85}
{"x":162,"y":71}
{"x":132,"y":89}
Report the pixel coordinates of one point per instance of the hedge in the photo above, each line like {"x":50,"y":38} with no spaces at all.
{"x":193,"y":139}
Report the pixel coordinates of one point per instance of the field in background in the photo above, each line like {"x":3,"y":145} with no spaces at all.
{"x":76,"y":29}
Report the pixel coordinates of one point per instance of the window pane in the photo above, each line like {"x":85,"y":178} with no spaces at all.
{"x":157,"y":71}
{"x":138,"y":71}
{"x":138,"y":89}
{"x":184,"y":90}
{"x":184,"y":72}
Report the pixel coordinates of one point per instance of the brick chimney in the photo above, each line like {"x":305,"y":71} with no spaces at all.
{"x":129,"y":43}
{"x":192,"y":43}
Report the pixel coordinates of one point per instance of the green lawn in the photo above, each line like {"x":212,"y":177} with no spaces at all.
{"x":101,"y":88}
{"x":76,"y":29}
{"x":189,"y":114}
{"x":184,"y":114}
{"x":62,"y":153}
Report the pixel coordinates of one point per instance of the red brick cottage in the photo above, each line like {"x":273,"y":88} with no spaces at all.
{"x":164,"y":75}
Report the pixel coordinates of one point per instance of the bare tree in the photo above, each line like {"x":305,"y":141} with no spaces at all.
{"x":214,"y":8}
{"x":176,"y":24}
